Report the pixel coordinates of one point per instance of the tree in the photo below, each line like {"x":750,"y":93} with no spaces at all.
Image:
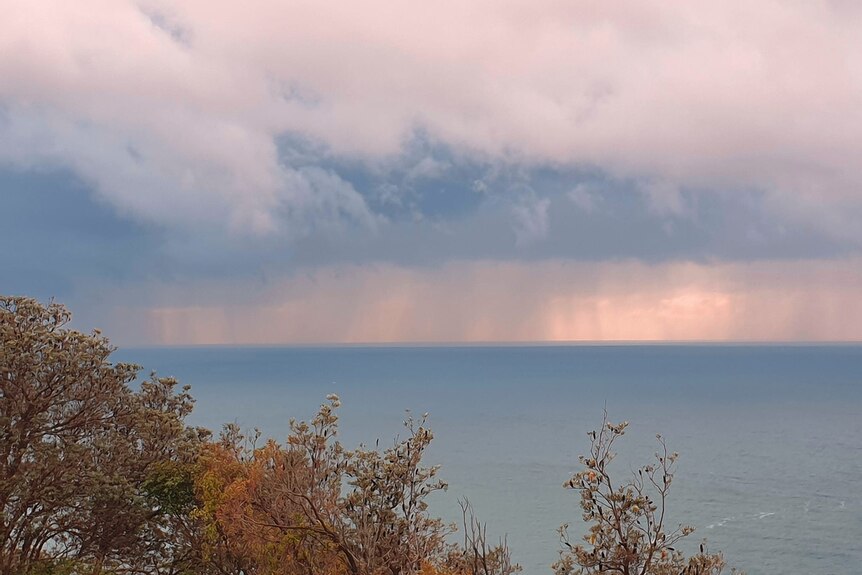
{"x":627,"y":523}
{"x":84,"y":459}
{"x":311,"y":506}
{"x":97,"y":477}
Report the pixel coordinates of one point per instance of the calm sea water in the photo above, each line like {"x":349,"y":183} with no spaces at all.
{"x":770,"y":437}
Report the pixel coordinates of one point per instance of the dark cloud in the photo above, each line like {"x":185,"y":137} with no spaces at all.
{"x":54,"y":231}
{"x":434,"y":207}
{"x":61,"y":240}
{"x":170,"y":26}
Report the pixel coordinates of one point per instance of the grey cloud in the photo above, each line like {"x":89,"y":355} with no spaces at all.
{"x":61,"y":239}
{"x":664,"y":198}
{"x":156,"y":185}
{"x":66,"y":240}
{"x":173,"y":110}
{"x":582,"y":197}
{"x":530,"y":213}
{"x":54,"y":233}
{"x":170,"y":25}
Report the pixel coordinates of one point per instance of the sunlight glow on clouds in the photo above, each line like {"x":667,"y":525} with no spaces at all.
{"x":550,"y":301}
{"x":172,"y":108}
{"x":549,"y":170}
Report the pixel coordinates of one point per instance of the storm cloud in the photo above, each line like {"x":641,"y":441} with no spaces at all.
{"x":156,"y":147}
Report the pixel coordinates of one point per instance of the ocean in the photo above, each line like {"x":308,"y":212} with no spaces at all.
{"x":769,"y":436}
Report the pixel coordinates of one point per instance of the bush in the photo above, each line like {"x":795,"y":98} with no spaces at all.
{"x":627,"y":531}
{"x":311,"y":506}
{"x":96,"y":477}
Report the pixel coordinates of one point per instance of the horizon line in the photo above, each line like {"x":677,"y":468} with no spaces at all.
{"x":490,"y":344}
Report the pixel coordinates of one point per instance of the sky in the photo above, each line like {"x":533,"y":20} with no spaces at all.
{"x":290,"y":171}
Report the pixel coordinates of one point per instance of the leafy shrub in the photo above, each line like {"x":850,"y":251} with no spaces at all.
{"x":627,"y":522}
{"x":311,"y":506}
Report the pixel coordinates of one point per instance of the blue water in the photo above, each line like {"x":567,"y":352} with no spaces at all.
{"x":770,"y":437}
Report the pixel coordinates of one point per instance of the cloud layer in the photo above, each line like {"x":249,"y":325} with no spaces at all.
{"x":363,"y":157}
{"x":493,"y":302}
{"x":172,"y":109}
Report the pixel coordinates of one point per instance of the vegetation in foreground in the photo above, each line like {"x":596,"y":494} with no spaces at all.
{"x":97,"y":477}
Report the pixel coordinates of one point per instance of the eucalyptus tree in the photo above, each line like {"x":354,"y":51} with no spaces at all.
{"x":92,"y":471}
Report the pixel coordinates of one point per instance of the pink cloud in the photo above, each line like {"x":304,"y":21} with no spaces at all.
{"x":740,"y":94}
{"x":487,"y":302}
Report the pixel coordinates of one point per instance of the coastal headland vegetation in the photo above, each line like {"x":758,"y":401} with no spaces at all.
{"x":101,"y":474}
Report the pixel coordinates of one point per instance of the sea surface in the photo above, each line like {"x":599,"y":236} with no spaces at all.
{"x":769,"y":436}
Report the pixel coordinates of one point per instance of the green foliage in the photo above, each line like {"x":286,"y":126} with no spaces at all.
{"x":170,"y":487}
{"x":57,"y":567}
